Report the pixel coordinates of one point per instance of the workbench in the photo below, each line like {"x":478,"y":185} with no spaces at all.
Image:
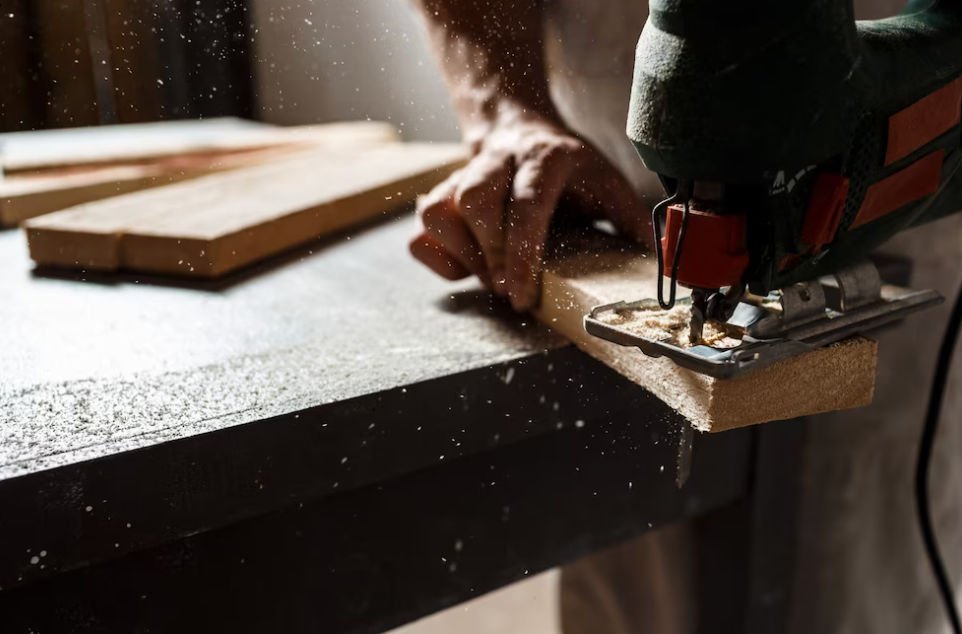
{"x":337,"y":441}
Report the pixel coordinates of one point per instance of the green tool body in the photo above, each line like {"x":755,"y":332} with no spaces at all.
{"x":769,"y":97}
{"x":793,"y":141}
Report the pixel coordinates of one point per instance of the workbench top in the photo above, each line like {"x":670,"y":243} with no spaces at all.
{"x":308,"y":446}
{"x":134,"y":411}
{"x":92,"y":366}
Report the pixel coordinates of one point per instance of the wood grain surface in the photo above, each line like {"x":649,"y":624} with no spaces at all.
{"x":216,"y":224}
{"x":149,"y":142}
{"x":28,"y":194}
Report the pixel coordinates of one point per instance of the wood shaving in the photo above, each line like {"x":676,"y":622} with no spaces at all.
{"x":671,"y":326}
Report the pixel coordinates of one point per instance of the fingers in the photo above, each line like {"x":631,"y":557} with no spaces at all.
{"x":443,"y":224}
{"x":448,"y":229}
{"x":480,"y":199}
{"x":535,"y":192}
{"x":430,"y":253}
{"x":492,"y":218}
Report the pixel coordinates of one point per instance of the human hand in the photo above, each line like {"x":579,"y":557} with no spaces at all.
{"x":491,"y":218}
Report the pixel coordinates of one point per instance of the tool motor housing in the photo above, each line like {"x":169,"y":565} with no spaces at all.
{"x":827,"y":135}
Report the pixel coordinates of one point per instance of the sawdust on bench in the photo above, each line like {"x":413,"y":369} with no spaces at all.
{"x":671,"y":326}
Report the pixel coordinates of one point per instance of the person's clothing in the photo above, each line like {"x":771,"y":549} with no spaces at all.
{"x":640,"y":586}
{"x":590,"y":50}
{"x":860,"y":564}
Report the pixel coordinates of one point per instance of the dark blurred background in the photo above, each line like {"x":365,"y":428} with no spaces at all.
{"x":66,"y":63}
{"x":70,"y":63}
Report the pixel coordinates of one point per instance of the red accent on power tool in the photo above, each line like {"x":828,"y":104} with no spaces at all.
{"x":789,"y":261}
{"x":919,"y":179}
{"x":714,"y":252}
{"x":923,"y":121}
{"x":825,"y":208}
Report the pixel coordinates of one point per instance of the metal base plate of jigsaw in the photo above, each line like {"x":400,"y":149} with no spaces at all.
{"x":796,"y":320}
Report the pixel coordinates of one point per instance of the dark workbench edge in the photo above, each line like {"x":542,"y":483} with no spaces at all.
{"x":374,"y":557}
{"x":77,"y":515}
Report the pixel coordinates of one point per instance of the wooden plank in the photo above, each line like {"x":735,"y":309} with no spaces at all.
{"x":145,"y":143}
{"x":32,"y":194}
{"x":29,"y":196}
{"x":216,"y":224}
{"x":599,"y":271}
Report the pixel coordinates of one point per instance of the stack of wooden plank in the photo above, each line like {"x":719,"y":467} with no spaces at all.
{"x":277,"y":188}
{"x":51,"y":170}
{"x":214,"y":225}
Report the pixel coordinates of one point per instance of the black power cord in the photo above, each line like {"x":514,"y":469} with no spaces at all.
{"x":925,"y":458}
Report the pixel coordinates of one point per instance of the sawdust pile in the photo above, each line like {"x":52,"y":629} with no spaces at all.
{"x":671,"y":326}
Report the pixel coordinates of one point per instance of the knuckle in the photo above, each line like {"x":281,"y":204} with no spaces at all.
{"x":491,"y":159}
{"x":432,"y":214}
{"x":478,"y":196}
{"x":437,"y":197}
{"x":470,"y":195}
{"x":554,"y":148}
{"x":531,"y":191}
{"x":553,"y":154}
{"x":526,"y":197}
{"x":574,"y":145}
{"x":538,"y":151}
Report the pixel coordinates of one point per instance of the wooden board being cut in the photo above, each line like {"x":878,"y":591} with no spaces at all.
{"x":216,"y":224}
{"x":601,"y":271}
{"x":30,"y":194}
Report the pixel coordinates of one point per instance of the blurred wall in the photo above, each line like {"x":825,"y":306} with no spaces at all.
{"x":330,"y":60}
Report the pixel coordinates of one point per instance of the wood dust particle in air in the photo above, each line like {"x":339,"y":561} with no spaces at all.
{"x":670,"y":326}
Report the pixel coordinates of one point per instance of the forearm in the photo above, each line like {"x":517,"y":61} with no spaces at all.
{"x":491,"y":53}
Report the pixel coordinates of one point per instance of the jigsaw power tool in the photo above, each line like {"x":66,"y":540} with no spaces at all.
{"x":793,"y":141}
